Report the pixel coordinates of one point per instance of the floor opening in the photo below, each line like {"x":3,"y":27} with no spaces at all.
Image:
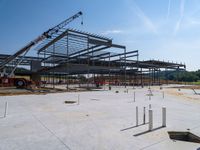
{"x":184,"y":136}
{"x":70,"y":102}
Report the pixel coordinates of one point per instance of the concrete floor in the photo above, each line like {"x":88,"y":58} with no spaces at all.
{"x":103,"y":120}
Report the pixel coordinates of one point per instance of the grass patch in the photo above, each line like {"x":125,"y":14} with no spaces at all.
{"x":196,"y":83}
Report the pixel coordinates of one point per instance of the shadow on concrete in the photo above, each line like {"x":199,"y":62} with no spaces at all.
{"x":195,"y":92}
{"x":133,"y":127}
{"x":138,"y":134}
{"x":95,"y":99}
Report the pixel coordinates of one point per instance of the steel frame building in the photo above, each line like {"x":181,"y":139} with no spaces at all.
{"x":72,"y":52}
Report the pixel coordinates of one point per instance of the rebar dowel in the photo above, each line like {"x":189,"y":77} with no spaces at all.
{"x":136,"y":115}
{"x":5,"y":112}
{"x":149,"y":96}
{"x":78,"y":100}
{"x":150,"y":120}
{"x":144,"y":115}
{"x":163,"y":117}
{"x":163,"y":95}
{"x":149,"y":106}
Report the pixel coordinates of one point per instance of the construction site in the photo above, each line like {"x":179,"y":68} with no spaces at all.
{"x":68,"y":56}
{"x":83,"y":91}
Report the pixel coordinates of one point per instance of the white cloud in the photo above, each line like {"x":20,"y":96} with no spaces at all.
{"x":143,"y":17}
{"x":178,"y":23}
{"x":195,"y":22}
{"x":177,"y":26}
{"x":190,"y":24}
{"x":169,"y":8}
{"x":112,"y":32}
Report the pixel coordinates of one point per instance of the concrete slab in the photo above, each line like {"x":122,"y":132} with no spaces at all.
{"x":101,"y":120}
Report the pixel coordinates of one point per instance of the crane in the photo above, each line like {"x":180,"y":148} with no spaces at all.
{"x":21,"y":82}
{"x":47,"y":34}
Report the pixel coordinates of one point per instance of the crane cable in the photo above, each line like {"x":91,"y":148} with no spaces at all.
{"x":81,"y":19}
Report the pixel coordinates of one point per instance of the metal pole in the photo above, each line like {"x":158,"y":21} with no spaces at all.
{"x":134,"y":96}
{"x":67,"y":61}
{"x":144,"y":115}
{"x":5,"y":112}
{"x":141,"y":78}
{"x":109,"y":73}
{"x":88,"y":61}
{"x":159,"y":77}
{"x":53,"y":66}
{"x":136,"y":115}
{"x":150,"y":120}
{"x":149,"y":77}
{"x":125,"y":66}
{"x":164,"y":117}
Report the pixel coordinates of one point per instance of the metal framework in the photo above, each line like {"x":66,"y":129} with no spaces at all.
{"x":72,"y":52}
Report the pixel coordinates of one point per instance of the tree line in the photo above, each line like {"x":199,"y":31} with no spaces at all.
{"x":185,"y":76}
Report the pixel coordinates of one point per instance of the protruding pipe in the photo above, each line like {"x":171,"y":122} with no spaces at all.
{"x":6,"y":107}
{"x":150,"y":120}
{"x":163,"y":94}
{"x":78,"y":102}
{"x":144,"y":115}
{"x":149,"y":96}
{"x":149,"y":106}
{"x":136,"y":115}
{"x":163,"y":117}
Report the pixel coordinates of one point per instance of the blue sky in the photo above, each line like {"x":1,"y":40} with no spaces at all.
{"x":159,"y":29}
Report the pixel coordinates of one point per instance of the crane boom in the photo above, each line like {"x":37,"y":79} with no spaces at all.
{"x":55,"y":29}
{"x":46,"y":34}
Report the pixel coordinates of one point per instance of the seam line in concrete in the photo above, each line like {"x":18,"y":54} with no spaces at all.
{"x":153,"y":144}
{"x":51,"y":132}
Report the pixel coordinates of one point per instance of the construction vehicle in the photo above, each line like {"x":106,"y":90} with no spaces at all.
{"x":10,"y":80}
{"x":17,"y":82}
